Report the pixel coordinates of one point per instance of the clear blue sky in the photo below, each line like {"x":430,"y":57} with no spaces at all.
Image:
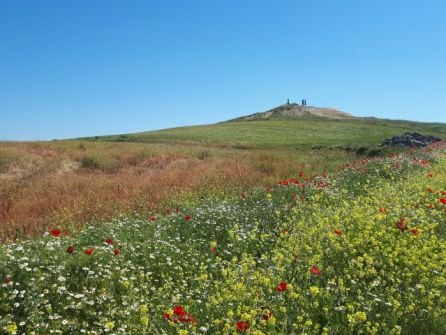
{"x":81,"y":67}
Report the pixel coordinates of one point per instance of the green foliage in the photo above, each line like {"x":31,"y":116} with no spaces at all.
{"x":375,"y":152}
{"x":361,"y":150}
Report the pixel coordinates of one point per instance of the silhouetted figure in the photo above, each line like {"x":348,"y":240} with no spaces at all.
{"x":287,"y":101}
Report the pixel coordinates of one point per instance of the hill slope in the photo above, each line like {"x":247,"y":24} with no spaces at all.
{"x":287,"y":126}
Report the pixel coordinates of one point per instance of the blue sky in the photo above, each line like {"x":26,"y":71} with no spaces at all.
{"x":78,"y":68}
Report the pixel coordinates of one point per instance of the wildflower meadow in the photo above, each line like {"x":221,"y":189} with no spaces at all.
{"x":359,"y":251}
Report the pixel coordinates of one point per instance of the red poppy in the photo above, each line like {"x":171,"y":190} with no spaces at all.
{"x":178,"y":310}
{"x":415,"y":231}
{"x":281,"y":287}
{"x":109,"y":241}
{"x":167,"y":210}
{"x":266,"y":316}
{"x":179,"y":315}
{"x":70,"y":249}
{"x":338,"y":232}
{"x":55,"y":232}
{"x":187,"y":217}
{"x":383,"y":210}
{"x":430,"y":190}
{"x":242,"y":326}
{"x":185,"y":317}
{"x":116,"y":251}
{"x":401,"y":224}
{"x":315,"y":271}
{"x":443,"y":201}
{"x":177,"y":210}
{"x":443,"y":192}
{"x":243,"y":195}
{"x":213,"y":249}
{"x":430,"y":175}
{"x":152,"y":218}
{"x":89,"y":251}
{"x":8,"y":280}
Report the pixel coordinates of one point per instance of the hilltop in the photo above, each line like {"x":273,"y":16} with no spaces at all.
{"x":290,"y":110}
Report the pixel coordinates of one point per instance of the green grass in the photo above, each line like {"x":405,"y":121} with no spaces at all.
{"x":302,"y":132}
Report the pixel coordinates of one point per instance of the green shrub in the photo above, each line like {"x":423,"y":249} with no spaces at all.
{"x":89,"y":162}
{"x":361,"y":150}
{"x":375,"y":152}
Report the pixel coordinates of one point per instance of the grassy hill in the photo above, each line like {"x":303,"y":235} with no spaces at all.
{"x":68,"y":183}
{"x":294,"y":234}
{"x":304,"y":131}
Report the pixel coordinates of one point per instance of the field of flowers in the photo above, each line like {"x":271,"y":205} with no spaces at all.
{"x":362,"y":251}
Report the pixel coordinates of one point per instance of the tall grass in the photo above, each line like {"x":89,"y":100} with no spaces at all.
{"x":70,"y":183}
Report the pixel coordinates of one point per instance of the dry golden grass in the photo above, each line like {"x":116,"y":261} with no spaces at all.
{"x":71,"y":183}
